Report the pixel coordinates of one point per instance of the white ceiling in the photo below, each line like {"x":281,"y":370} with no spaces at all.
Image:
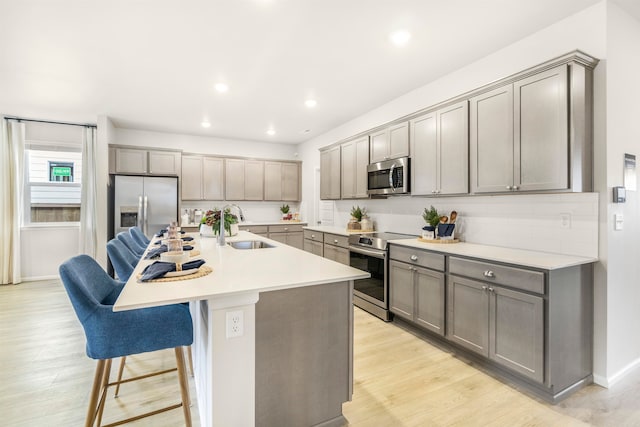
{"x":152,"y":64}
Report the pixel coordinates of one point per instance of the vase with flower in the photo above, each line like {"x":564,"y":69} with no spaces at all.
{"x":210,"y":223}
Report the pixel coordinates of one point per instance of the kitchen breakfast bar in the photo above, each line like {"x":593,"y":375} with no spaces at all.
{"x":273,"y":332}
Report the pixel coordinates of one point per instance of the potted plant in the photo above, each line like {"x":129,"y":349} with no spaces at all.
{"x":210,"y":223}
{"x":285,"y":212}
{"x":356,"y":217}
{"x":432,"y":218}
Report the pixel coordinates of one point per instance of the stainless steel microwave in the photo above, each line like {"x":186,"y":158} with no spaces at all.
{"x":389,"y":177}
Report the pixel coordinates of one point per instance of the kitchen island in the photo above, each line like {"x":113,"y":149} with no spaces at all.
{"x":291,"y":361}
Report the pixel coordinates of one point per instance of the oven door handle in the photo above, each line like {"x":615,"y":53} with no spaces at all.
{"x":375,"y":254}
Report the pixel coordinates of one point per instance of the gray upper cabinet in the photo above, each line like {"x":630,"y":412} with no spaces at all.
{"x":202,"y":178}
{"x":212,"y":178}
{"x":389,"y":143}
{"x":154,"y":162}
{"x":354,"y":161}
{"x":281,"y":181}
{"x":291,"y":181}
{"x":330,"y":174}
{"x":254,"y":180}
{"x":164,"y":162}
{"x":191,"y":185}
{"x":234,"y":179}
{"x":131,"y":160}
{"x":519,"y":135}
{"x":244,"y":179}
{"x":541,"y":136}
{"x":440,"y":151}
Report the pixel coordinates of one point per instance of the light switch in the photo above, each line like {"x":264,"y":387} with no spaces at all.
{"x":618,"y":220}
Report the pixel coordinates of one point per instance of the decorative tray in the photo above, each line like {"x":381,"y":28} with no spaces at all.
{"x":438,"y":240}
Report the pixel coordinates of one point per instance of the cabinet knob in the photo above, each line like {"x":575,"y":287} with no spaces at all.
{"x":489,"y":273}
{"x":508,"y":187}
{"x":335,"y":241}
{"x":247,"y":229}
{"x":515,"y":187}
{"x":286,"y":229}
{"x":413,"y":257}
{"x":484,"y":288}
{"x":491,"y":290}
{"x":313,"y":236}
{"x":433,"y":191}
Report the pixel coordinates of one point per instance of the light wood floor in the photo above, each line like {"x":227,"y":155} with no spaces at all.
{"x":400,"y":380}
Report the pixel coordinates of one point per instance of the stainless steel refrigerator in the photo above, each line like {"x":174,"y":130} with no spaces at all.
{"x":149,"y":202}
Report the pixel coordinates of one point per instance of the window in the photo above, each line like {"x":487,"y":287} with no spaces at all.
{"x":53,"y":174}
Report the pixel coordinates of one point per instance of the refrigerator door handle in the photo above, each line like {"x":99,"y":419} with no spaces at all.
{"x":140,"y":214}
{"x":146,"y":217}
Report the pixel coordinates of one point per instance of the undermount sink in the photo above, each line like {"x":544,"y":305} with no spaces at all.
{"x":250,"y":244}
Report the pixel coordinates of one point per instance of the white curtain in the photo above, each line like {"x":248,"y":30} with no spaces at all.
{"x":11,"y":180}
{"x":88,"y":209}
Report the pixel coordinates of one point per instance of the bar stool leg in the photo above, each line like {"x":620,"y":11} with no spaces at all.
{"x":95,"y":393}
{"x":184,"y":385}
{"x":120,"y":370}
{"x":105,"y":384}
{"x":190,"y":358}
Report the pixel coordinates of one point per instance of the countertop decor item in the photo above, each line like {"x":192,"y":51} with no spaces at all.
{"x":286,"y":216}
{"x":210,"y":223}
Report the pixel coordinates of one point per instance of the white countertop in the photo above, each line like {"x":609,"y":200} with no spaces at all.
{"x":534,"y":259}
{"x":342,"y":231}
{"x":237,"y":271}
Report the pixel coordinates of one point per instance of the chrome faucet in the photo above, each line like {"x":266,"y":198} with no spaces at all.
{"x":221,"y":239}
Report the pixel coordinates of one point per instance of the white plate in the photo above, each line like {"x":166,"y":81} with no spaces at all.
{"x":181,"y":273}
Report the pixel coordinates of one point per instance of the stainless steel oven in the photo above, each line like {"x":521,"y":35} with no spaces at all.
{"x":368,"y":252}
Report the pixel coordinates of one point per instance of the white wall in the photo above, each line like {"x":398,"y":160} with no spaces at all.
{"x":622,"y":247}
{"x":204,"y":145}
{"x":586,"y":31}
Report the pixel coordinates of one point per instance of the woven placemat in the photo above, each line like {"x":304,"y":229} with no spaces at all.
{"x":202,"y":271}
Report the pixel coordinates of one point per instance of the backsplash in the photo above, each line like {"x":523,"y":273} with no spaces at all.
{"x":253,"y":211}
{"x":523,"y":221}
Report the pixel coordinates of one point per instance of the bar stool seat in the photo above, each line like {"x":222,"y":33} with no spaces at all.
{"x":112,"y":334}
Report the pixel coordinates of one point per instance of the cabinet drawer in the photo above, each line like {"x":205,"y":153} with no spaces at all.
{"x":314,"y":235}
{"x":257,"y":229}
{"x":519,"y":278}
{"x":417,"y":257}
{"x":337,"y":240}
{"x":285,"y":228}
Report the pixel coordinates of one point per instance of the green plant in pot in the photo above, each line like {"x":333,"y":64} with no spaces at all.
{"x":358,"y":213}
{"x":432,"y":218}
{"x":212,"y":219}
{"x":285,"y":212}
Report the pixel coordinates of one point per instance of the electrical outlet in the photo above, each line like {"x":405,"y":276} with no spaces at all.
{"x":565,"y":220}
{"x":235,"y":324}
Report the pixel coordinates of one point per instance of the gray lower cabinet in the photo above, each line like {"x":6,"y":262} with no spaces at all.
{"x":504,"y":325}
{"x":291,"y":235}
{"x":261,"y":230}
{"x":336,"y":248}
{"x":314,"y":242}
{"x":417,"y":294}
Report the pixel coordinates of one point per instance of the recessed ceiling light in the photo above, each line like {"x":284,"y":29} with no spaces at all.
{"x":271,"y":132}
{"x":310,"y":103}
{"x":205,"y":124}
{"x":221,"y":87}
{"x":400,"y":38}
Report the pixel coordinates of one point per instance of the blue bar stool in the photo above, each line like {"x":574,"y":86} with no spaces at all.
{"x":122,"y":259}
{"x":112,"y":334}
{"x":139,"y":236}
{"x":126,"y":238}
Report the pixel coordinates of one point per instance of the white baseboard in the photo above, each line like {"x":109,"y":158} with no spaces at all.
{"x":610,"y":381}
{"x":37,"y":278}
